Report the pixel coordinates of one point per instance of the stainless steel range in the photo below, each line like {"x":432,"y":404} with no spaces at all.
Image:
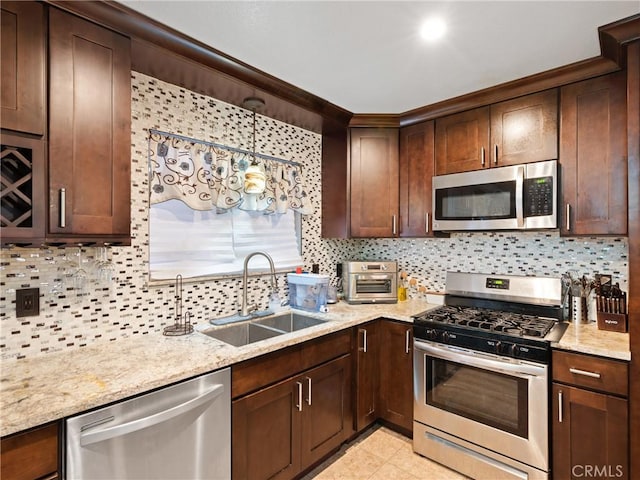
{"x":481,"y":375}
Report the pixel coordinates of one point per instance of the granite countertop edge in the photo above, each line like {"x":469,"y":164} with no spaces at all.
{"x":37,"y":391}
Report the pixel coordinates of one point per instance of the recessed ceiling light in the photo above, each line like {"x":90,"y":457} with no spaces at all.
{"x":433,"y":29}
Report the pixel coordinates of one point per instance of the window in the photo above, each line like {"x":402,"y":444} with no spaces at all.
{"x":212,"y":205}
{"x":197,"y":243}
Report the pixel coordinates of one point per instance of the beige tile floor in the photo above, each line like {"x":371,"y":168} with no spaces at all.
{"x":380,"y":454}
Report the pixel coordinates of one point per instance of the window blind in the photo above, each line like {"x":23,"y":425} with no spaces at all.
{"x":197,"y":243}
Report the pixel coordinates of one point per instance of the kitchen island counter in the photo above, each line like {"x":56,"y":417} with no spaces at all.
{"x":57,"y":385}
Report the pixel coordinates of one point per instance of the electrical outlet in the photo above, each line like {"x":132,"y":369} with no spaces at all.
{"x":27,"y":302}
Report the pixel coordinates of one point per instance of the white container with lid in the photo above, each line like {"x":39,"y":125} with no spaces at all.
{"x":308,"y":291}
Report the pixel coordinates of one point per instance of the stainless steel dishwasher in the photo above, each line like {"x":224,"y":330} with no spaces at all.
{"x":179,"y":432}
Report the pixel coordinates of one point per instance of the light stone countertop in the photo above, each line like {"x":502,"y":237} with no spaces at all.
{"x":586,"y":338}
{"x":57,"y":385}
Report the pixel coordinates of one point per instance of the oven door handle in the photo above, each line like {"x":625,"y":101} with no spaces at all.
{"x":519,"y":196}
{"x":520,"y":369}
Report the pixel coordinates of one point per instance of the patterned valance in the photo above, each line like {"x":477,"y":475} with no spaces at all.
{"x":208,"y":176}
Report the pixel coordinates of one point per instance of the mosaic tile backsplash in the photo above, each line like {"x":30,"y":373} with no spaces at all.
{"x":93,"y":295}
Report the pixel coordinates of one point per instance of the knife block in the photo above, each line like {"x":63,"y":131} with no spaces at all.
{"x":614,"y":322}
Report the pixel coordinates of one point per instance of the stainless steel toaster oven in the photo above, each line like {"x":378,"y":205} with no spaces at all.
{"x":370,"y":281}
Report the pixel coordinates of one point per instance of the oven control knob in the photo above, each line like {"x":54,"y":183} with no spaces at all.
{"x":432,"y":334}
{"x":445,"y":336}
{"x":513,"y":350}
{"x":498,"y":347}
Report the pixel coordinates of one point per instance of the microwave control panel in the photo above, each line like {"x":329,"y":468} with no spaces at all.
{"x":538,"y":196}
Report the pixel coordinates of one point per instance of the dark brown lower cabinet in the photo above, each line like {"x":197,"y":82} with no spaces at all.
{"x":590,"y":434}
{"x":396,"y":374}
{"x":282,"y":429}
{"x":368,"y":372}
{"x":31,"y":454}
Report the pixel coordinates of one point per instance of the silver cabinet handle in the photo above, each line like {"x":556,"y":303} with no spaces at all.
{"x":519,"y":196}
{"x":568,"y":215}
{"x":89,"y":438}
{"x":426,"y":223}
{"x":364,"y":339}
{"x":482,"y":156}
{"x":406,"y":341}
{"x":309,"y":394}
{"x":495,"y":154}
{"x":560,"y":406}
{"x":299,"y":404}
{"x":63,"y":207}
{"x":393,"y":225}
{"x":585,"y":373}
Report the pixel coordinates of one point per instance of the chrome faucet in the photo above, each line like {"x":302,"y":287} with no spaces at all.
{"x":244,"y":312}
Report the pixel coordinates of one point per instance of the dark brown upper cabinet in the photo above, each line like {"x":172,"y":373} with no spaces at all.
{"x":89,"y":131}
{"x":462,"y":141}
{"x":23,"y":199}
{"x":593,"y":156}
{"x":23,"y":60}
{"x":512,"y":132}
{"x":374,"y":182}
{"x":416,"y":170}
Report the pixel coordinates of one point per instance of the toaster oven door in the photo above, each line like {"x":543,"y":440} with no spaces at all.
{"x":372,"y":288}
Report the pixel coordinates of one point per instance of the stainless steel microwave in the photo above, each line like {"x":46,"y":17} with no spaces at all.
{"x":518,"y":197}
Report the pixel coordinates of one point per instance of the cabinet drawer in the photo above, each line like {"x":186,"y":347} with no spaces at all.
{"x":32,"y":454}
{"x":265,"y":370}
{"x":596,"y":373}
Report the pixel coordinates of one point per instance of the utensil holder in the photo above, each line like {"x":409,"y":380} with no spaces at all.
{"x":579,"y":309}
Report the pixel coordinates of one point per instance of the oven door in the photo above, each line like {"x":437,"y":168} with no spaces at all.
{"x":372,"y":287}
{"x":497,"y":403}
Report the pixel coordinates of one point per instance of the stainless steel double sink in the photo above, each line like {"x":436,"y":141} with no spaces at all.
{"x":262,"y":328}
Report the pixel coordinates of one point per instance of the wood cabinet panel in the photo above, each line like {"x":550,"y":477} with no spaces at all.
{"x":282,"y":429}
{"x":23,"y":186}
{"x":593,"y":156}
{"x":590,"y":434}
{"x":259,"y":372}
{"x":416,"y":170}
{"x":521,"y":130}
{"x":396,"y":374}
{"x":31,"y":454}
{"x":328,"y":417}
{"x":525,"y":129}
{"x":23,"y":60}
{"x":89,"y":128}
{"x":374,"y":182}
{"x":595,"y":373}
{"x":367,"y":367}
{"x":462,"y":141}
{"x":266,"y":433}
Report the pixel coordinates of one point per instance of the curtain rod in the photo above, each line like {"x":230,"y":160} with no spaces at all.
{"x":225,"y":147}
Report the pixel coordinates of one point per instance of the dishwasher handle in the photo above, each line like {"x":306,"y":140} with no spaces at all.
{"x":89,"y":438}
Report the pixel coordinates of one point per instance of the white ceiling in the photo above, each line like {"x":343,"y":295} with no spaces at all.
{"x":368,"y":57}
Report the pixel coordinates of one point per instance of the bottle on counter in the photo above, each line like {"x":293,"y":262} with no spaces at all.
{"x":402,"y":289}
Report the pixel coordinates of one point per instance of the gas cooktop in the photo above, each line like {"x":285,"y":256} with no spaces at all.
{"x":506,"y":315}
{"x":491,"y":320}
